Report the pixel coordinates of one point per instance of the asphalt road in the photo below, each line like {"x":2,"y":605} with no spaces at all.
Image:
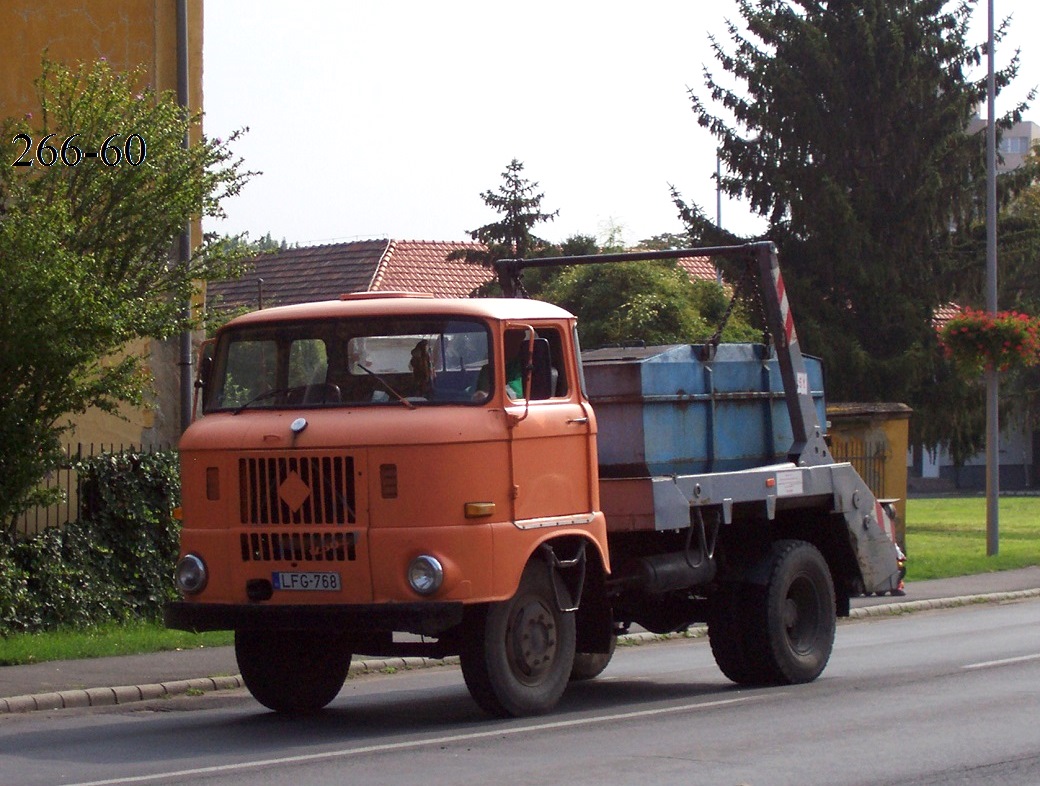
{"x":933,"y":697}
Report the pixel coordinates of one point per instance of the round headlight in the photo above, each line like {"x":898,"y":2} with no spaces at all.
{"x":425,"y":575}
{"x":191,"y":574}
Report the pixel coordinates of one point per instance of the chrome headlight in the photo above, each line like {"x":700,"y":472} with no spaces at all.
{"x":191,"y":575}
{"x":425,"y":574}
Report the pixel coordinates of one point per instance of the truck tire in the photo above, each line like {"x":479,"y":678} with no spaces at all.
{"x":589,"y":665}
{"x":791,"y":619}
{"x":294,"y":672}
{"x":518,"y":654}
{"x":727,"y":634}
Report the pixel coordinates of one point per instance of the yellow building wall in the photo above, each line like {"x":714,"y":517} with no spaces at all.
{"x":128,"y":34}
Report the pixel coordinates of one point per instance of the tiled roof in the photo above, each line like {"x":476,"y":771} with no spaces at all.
{"x":699,"y":268}
{"x":421,"y":266}
{"x":944,"y":314}
{"x":302,"y":275}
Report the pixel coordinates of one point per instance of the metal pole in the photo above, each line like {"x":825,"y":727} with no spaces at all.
{"x":992,"y":380}
{"x":184,"y":247}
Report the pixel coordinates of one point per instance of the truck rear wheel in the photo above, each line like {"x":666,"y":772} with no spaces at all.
{"x":792,"y":617}
{"x":293,"y":672}
{"x":727,"y":634}
{"x":780,"y":632}
{"x":519,"y":653}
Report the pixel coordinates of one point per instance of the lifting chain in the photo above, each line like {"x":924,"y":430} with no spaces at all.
{"x":739,"y":293}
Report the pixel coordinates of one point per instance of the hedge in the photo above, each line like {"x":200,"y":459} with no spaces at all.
{"x":113,"y":564}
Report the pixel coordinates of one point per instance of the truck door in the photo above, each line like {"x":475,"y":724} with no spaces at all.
{"x":551,"y":438}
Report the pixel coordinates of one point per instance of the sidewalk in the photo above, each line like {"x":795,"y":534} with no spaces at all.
{"x":128,"y":678}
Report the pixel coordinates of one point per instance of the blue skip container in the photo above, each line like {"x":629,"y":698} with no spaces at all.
{"x":664,"y":411}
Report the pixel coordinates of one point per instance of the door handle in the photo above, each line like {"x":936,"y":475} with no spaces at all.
{"x":580,"y":421}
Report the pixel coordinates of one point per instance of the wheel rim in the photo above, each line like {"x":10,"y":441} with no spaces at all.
{"x":801,"y":615}
{"x":533,"y":641}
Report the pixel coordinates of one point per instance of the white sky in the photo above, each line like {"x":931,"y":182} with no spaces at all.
{"x":387,"y":118}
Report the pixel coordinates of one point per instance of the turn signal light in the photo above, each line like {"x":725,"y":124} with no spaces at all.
{"x":477,"y":510}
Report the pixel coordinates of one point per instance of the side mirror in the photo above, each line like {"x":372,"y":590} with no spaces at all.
{"x":205,"y":363}
{"x":205,"y":372}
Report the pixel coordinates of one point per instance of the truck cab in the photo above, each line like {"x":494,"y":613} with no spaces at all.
{"x":379,"y":465}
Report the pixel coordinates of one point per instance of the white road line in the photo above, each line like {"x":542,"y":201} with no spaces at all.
{"x":450,"y":739}
{"x":987,"y":664}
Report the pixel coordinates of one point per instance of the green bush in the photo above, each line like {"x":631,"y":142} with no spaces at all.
{"x":127,"y":499}
{"x":69,"y":579}
{"x":111,"y":565}
{"x":16,"y":607}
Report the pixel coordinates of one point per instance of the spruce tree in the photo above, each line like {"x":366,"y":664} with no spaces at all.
{"x":847,"y":130}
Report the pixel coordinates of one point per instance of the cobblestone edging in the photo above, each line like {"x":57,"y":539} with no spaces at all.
{"x":125,"y":694}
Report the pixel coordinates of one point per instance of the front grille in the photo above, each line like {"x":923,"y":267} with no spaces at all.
{"x":298,"y":547}
{"x":297,"y":490}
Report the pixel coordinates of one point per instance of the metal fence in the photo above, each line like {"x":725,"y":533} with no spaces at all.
{"x":66,"y":479}
{"x":868,"y":458}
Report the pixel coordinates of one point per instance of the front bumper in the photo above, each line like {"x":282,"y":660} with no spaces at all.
{"x":429,"y":619}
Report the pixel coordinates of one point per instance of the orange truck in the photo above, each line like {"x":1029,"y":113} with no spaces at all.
{"x":393,"y":474}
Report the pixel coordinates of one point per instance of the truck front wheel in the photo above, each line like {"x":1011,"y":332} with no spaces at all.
{"x":292,"y":672}
{"x":589,"y":665}
{"x":518,"y":654}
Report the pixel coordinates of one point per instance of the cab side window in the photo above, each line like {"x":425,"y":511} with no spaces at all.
{"x":557,"y":361}
{"x":549,"y":378}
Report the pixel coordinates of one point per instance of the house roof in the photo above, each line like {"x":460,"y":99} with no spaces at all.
{"x":422,"y":266}
{"x":303,"y":275}
{"x":313,"y":273}
{"x":699,"y":268}
{"x":944,"y":314}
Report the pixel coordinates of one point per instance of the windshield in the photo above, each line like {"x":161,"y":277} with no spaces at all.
{"x":394,"y":362}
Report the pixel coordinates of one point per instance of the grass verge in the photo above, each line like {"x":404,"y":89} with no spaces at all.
{"x":947,"y":536}
{"x":126,"y":639}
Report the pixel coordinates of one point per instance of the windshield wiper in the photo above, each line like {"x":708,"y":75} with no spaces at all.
{"x":262,"y":396}
{"x":388,"y":386}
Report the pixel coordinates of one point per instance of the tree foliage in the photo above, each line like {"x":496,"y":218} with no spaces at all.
{"x":848,"y":130}
{"x":643,"y":302}
{"x":637,"y":302}
{"x":85,"y":252}
{"x":1018,"y":238}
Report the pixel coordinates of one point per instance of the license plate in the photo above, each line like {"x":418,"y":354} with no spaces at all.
{"x":317,"y":582}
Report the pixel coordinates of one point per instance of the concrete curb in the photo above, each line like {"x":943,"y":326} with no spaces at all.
{"x":122,"y":694}
{"x":889,"y":609}
{"x":126,"y":694}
